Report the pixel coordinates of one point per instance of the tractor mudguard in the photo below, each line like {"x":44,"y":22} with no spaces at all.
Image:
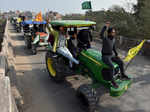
{"x":37,"y":39}
{"x":93,"y":61}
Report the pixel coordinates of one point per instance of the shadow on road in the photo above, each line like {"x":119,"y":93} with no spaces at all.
{"x":19,"y":37}
{"x":21,"y":50}
{"x":143,"y":80}
{"x":12,"y":30}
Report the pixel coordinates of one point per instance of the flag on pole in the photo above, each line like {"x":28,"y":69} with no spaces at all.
{"x":19,"y":20}
{"x":133,"y":52}
{"x":86,"y":5}
{"x":38,"y":17}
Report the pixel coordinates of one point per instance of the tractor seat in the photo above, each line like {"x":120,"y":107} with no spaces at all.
{"x":42,"y":34}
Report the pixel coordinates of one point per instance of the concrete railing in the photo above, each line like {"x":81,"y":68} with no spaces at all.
{"x":7,"y":102}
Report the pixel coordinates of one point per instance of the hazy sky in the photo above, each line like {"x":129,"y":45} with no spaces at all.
{"x":61,"y":6}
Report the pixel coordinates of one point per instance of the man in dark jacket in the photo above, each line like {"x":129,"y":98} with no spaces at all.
{"x":84,"y":38}
{"x":109,"y":53}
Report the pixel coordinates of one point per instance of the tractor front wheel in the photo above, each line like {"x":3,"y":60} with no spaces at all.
{"x":28,"y":42}
{"x":34,"y":49}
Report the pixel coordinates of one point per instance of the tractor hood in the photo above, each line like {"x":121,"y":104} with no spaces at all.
{"x":94,"y":56}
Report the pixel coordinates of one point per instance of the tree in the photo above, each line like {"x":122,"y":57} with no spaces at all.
{"x":122,"y":20}
{"x":142,"y":14}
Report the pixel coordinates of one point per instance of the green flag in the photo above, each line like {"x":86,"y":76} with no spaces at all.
{"x":86,"y":5}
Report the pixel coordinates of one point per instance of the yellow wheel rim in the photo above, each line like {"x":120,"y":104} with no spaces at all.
{"x":50,"y":67}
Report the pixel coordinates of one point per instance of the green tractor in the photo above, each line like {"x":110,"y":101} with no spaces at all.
{"x":90,"y":66}
{"x":34,"y":35}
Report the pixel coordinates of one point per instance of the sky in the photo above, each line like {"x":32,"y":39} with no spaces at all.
{"x":61,"y":6}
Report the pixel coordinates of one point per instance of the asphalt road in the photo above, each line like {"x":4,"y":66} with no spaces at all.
{"x":40,"y":94}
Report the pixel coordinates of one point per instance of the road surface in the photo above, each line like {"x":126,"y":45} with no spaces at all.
{"x":40,"y":94}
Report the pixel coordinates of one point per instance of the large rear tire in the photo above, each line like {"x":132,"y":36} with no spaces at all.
{"x":53,"y":67}
{"x":87,"y":96}
{"x":34,"y":49}
{"x":17,"y":30}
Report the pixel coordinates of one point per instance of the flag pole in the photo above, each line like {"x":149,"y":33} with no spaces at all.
{"x":128,"y":64}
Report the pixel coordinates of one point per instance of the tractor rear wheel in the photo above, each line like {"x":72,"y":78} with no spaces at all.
{"x":34,"y":50}
{"x":87,"y":96}
{"x":28,"y":42}
{"x":54,"y":67}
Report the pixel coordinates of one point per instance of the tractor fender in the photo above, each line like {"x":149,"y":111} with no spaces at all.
{"x":47,"y":37}
{"x":37,"y":39}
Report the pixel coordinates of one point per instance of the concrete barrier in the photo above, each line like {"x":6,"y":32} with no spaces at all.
{"x":7,"y":102}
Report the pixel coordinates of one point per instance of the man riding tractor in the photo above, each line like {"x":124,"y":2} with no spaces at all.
{"x":109,"y":53}
{"x":60,"y":44}
{"x":18,"y":24}
{"x":89,"y":63}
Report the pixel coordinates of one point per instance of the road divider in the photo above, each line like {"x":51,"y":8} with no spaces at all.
{"x":7,"y":102}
